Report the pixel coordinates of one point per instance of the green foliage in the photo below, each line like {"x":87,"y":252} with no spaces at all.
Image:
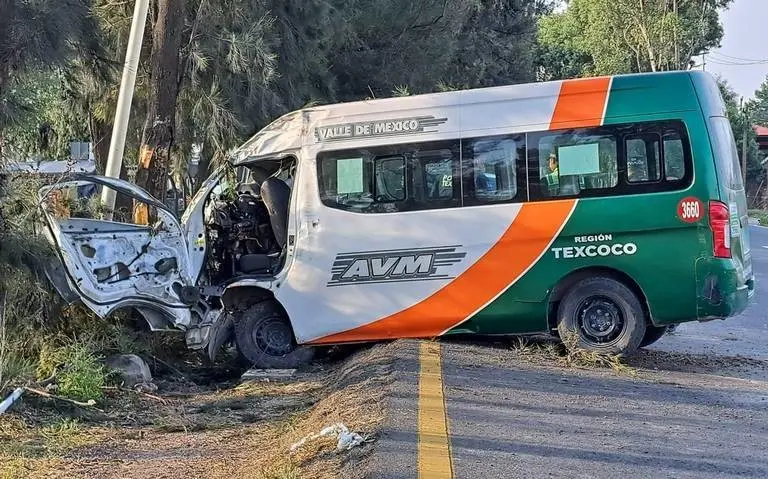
{"x":741,"y":118}
{"x":40,"y":34}
{"x":395,"y":42}
{"x":604,"y":37}
{"x":42,"y":110}
{"x":759,"y":106}
{"x":760,"y":215}
{"x":496,"y":43}
{"x":83,"y":376}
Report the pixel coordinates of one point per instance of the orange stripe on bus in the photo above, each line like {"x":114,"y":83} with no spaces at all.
{"x":581,"y":103}
{"x":522,"y":244}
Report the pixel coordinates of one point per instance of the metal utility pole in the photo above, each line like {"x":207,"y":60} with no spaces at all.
{"x":745,"y":114}
{"x":124,"y":100}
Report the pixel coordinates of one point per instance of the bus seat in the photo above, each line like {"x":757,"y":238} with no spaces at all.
{"x":569,"y":185}
{"x":276,"y":196}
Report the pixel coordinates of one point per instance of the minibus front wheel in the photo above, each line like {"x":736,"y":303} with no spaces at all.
{"x":264,"y":336}
{"x":603,"y":315}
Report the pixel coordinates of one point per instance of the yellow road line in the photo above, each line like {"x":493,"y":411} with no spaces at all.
{"x":434,"y":451}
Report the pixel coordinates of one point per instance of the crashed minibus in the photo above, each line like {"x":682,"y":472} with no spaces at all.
{"x":607,"y":208}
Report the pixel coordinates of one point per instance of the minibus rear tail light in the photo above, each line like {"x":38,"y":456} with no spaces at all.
{"x":719,"y":223}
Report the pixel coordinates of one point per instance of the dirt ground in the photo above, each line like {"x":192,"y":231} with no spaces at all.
{"x":202,"y":423}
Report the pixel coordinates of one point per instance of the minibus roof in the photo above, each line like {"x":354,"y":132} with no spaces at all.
{"x":533,"y":107}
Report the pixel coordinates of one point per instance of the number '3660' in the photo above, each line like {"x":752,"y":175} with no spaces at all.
{"x":691,"y":209}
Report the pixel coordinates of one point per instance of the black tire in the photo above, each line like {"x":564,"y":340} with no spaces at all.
{"x":264,"y":337}
{"x":606,"y":316}
{"x":652,"y":334}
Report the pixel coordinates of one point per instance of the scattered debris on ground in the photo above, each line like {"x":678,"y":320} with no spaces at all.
{"x":204,"y":422}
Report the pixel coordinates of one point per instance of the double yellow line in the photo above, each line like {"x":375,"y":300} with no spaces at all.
{"x":434,"y":449}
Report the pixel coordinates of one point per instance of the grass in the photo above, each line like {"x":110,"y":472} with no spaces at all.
{"x":281,"y":471}
{"x":79,"y":373}
{"x":23,"y":441}
{"x":576,"y":356}
{"x":760,"y":215}
{"x":569,"y":353}
{"x":29,"y":451}
{"x":352,"y":395}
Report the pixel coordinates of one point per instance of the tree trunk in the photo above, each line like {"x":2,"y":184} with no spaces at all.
{"x":101,"y":136}
{"x":158,"y":136}
{"x":765,"y":191}
{"x":202,"y":172}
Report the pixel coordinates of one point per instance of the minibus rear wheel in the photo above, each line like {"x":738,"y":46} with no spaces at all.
{"x":602,"y":314}
{"x":264,"y":336}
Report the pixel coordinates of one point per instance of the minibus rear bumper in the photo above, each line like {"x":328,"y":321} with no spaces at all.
{"x":722,"y":291}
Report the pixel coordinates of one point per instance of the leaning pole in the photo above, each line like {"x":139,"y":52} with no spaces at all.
{"x":124,"y":100}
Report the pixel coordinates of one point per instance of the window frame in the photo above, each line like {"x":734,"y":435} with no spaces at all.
{"x":469,"y":197}
{"x":413,"y":166}
{"x":645,"y":136}
{"x":526,"y":169}
{"x":623,"y":186}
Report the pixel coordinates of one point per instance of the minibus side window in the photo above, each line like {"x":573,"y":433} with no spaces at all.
{"x":611,"y":160}
{"x":674,"y":156}
{"x":489,"y":169}
{"x":573,"y":161}
{"x":346,"y":181}
{"x":643,"y":152}
{"x":434,"y":174}
{"x":391,"y":178}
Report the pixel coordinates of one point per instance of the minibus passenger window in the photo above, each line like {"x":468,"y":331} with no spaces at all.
{"x":642,"y":158}
{"x":577,"y":160}
{"x":491,"y":168}
{"x":438,"y":179}
{"x":390,"y":179}
{"x":674,"y":160}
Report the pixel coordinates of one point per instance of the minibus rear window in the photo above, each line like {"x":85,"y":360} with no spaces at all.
{"x":726,"y":154}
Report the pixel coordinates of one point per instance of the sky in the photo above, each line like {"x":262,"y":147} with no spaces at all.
{"x":742,"y":59}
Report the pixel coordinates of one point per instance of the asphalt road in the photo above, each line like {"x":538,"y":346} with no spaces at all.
{"x":697,"y":407}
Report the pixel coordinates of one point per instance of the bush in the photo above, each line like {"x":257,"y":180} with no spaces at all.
{"x":37,"y":331}
{"x":83,"y":376}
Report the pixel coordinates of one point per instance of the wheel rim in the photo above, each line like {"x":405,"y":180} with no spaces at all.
{"x":274,"y":337}
{"x":600,"y":319}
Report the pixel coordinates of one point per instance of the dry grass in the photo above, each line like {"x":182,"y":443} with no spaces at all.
{"x":569,"y":353}
{"x":576,"y":356}
{"x":29,"y":451}
{"x":353,"y":396}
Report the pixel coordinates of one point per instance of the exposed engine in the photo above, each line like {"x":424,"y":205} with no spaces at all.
{"x":237,"y":228}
